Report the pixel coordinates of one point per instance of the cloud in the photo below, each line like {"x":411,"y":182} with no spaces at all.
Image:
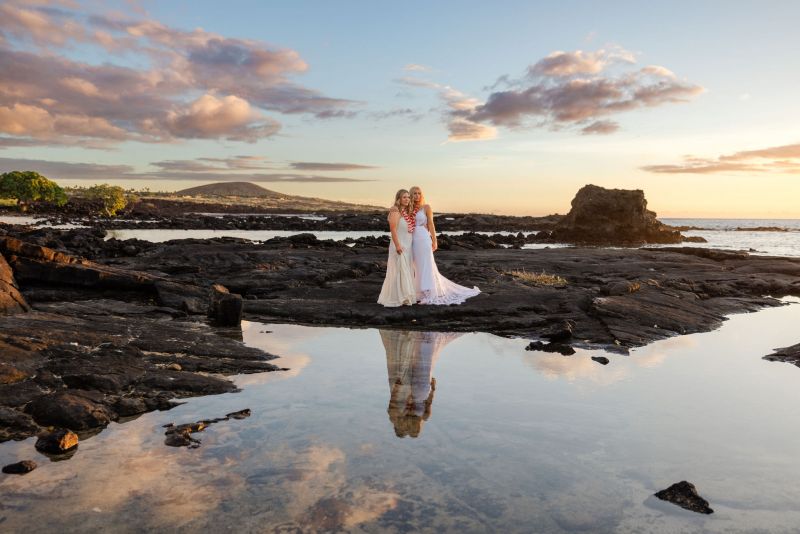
{"x":458,"y":105}
{"x":600,"y":127}
{"x":229,"y":117}
{"x":236,"y":163}
{"x":464,"y":130}
{"x":185,"y":84}
{"x":564,"y":89}
{"x":311,"y":166}
{"x":578,"y":89}
{"x":65,"y":170}
{"x":783,"y":159}
{"x":207,"y":169}
{"x":562,"y":64}
{"x":415,"y":67}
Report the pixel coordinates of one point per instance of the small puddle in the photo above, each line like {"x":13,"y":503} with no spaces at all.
{"x":382,"y":430}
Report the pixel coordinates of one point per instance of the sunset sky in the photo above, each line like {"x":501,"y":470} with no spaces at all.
{"x":506,"y":107}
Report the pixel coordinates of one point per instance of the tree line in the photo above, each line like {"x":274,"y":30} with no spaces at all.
{"x":27,"y":187}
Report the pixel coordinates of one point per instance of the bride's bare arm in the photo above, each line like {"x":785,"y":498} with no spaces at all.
{"x":431,"y":226}
{"x":394,"y":218}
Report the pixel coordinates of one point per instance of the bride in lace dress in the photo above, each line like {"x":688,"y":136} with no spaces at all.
{"x":398,"y":286}
{"x":431,"y":287}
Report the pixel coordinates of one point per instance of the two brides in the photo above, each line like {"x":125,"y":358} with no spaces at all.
{"x":411,"y":272}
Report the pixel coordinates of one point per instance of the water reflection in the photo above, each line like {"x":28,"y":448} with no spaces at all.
{"x":409,"y":361}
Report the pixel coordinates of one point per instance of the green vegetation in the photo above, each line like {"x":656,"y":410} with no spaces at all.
{"x":111,"y":197}
{"x":28,"y":186}
{"x":540,"y":279}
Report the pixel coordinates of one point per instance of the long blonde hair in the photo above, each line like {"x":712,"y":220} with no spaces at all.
{"x":413,"y":206}
{"x":397,"y":198}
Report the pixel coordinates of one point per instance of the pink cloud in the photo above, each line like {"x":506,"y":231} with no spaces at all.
{"x":229,"y":117}
{"x":67,"y":99}
{"x":578,"y":91}
{"x":564,"y":89}
{"x":783,"y":159}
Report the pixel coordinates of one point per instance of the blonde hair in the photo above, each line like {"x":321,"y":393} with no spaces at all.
{"x":421,"y":197}
{"x":397,"y":197}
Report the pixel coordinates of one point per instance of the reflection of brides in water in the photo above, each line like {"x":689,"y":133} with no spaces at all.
{"x":409,"y":360}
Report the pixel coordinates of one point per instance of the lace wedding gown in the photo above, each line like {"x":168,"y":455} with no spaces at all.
{"x":432,"y":287}
{"x":398,"y":286}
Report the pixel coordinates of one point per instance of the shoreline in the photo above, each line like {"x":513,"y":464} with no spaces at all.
{"x":138,"y":304}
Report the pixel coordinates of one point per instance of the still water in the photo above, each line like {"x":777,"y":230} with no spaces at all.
{"x":393,"y":431}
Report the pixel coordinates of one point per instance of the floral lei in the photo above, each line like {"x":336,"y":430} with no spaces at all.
{"x":411,"y":219}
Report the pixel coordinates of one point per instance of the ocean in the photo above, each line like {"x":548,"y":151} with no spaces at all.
{"x":773,"y":237}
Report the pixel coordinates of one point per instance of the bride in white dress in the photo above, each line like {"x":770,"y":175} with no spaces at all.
{"x":431,"y":287}
{"x":398,"y":286}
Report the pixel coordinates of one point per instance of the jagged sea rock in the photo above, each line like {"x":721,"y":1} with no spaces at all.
{"x":685,"y":495}
{"x":786,"y":354}
{"x":601,"y":216}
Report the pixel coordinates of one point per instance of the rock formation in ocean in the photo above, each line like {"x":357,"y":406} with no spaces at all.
{"x":602,"y":216}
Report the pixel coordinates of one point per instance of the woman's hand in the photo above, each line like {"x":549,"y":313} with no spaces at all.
{"x":399,"y":250}
{"x":434,"y":245}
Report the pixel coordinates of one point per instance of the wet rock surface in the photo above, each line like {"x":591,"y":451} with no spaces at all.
{"x":57,"y":442}
{"x":127,"y":333}
{"x":685,"y":495}
{"x":20,"y":468}
{"x":181,"y":435}
{"x":101,"y":342}
{"x":786,"y":354}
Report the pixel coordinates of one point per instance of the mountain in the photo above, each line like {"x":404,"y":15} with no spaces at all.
{"x":245,"y":195}
{"x":228,"y":189}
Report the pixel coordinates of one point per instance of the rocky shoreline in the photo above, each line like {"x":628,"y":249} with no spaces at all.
{"x":118,"y":328}
{"x":94,"y":330}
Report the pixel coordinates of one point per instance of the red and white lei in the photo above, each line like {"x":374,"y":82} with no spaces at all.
{"x":411,"y":219}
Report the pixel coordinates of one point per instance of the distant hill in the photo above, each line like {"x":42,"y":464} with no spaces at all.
{"x":245,"y":195}
{"x":229,"y":189}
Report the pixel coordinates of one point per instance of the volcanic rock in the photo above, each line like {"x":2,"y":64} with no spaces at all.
{"x":786,"y":354}
{"x":11,"y":300}
{"x":685,"y":495}
{"x":559,"y":348}
{"x":20,"y":468}
{"x":225,"y":308}
{"x":57,"y":442}
{"x":602,"y":216}
{"x":78,"y":410}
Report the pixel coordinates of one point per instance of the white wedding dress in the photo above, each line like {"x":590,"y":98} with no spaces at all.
{"x":398,"y":286}
{"x":432,"y":287}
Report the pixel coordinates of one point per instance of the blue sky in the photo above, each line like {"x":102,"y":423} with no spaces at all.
{"x":694,"y":102}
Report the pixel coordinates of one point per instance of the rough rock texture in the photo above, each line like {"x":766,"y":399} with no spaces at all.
{"x":181,"y":435}
{"x":225,"y":308}
{"x":32,"y":262}
{"x":612,"y":297}
{"x":11,"y":300}
{"x":602,"y":216}
{"x":20,"y":468}
{"x":685,"y":495}
{"x":134,"y":354}
{"x":786,"y":354}
{"x":57,"y":442}
{"x":123,"y":363}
